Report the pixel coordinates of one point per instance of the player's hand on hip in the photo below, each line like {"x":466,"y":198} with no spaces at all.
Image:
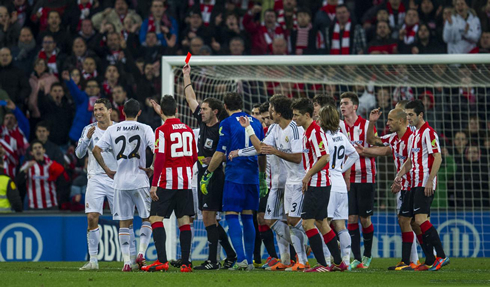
{"x":429,"y":189}
{"x":153,"y":193}
{"x":91,"y":132}
{"x":232,"y":155}
{"x":148,"y":171}
{"x":110,"y":173}
{"x":244,"y":121}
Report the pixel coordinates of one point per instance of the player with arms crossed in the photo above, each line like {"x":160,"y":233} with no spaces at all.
{"x":211,"y":199}
{"x":361,"y":182}
{"x":339,"y":147}
{"x":241,"y":190}
{"x":396,"y":144}
{"x":128,"y":141}
{"x":175,"y":155}
{"x":316,"y":187}
{"x":423,"y":163}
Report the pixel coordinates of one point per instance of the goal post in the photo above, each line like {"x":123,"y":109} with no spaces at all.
{"x":454,"y":88}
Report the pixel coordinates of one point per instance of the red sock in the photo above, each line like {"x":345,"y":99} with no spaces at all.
{"x":157,"y":224}
{"x":407,"y":236}
{"x":425,"y":226}
{"x":327,"y":237}
{"x":369,"y":229}
{"x":312,"y":232}
{"x":263,"y":228}
{"x":352,"y":226}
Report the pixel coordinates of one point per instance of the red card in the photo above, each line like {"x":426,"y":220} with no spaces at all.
{"x":188,"y":57}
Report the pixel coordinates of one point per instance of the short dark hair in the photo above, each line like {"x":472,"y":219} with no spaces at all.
{"x":264,"y":107}
{"x":282,"y":105}
{"x":91,"y":80}
{"x":169,"y":105}
{"x":56,"y":85}
{"x":256,"y":106}
{"x":303,"y":105}
{"x":36,"y":142}
{"x":43,"y":124}
{"x":131,"y":108}
{"x":50,"y":36}
{"x":352,"y":96}
{"x":54,"y":11}
{"x":104,"y":101}
{"x":417,"y":106}
{"x":214,"y":104}
{"x":270,"y":10}
{"x":324,"y":100}
{"x":304,"y":10}
{"x":343,"y":6}
{"x":233,"y":101}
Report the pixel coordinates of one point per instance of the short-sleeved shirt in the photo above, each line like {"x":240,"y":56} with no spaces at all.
{"x":399,"y":150}
{"x":128,"y":141}
{"x":178,"y":144}
{"x":422,"y":144}
{"x":364,"y":170}
{"x":314,"y":147}
{"x":289,"y":140}
{"x":232,"y":136}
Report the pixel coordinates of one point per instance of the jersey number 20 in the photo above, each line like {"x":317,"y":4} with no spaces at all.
{"x":181,"y":141}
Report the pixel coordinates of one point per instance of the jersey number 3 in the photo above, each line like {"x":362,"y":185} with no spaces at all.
{"x":181,"y":144}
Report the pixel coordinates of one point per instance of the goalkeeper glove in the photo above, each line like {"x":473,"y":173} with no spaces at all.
{"x":263,"y":184}
{"x":205,"y":181}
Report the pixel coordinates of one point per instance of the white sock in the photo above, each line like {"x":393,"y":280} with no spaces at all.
{"x":283,"y":246}
{"x":124,"y":242}
{"x":345,"y":245}
{"x":414,"y":255}
{"x":282,"y":230}
{"x":326,"y":252}
{"x":298,"y":241}
{"x":132,"y":245}
{"x":93,"y":238}
{"x":145,"y":237}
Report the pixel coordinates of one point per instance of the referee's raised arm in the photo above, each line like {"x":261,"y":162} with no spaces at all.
{"x":190,"y":96}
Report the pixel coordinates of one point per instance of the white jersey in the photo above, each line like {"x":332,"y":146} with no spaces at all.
{"x":289,"y":140}
{"x":129,"y":140}
{"x":87,"y":145}
{"x":339,"y":147}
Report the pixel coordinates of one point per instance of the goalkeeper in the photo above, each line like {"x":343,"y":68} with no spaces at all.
{"x":241,"y":189}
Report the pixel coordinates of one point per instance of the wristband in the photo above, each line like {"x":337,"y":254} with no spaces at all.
{"x":249,"y":131}
{"x":187,"y":86}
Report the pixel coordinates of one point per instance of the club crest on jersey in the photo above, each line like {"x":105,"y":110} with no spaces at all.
{"x":287,"y":139}
{"x":208,"y":143}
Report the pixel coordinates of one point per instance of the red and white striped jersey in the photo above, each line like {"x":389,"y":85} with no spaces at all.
{"x":15,"y":144}
{"x":364,"y":170}
{"x":314,"y":147}
{"x":176,"y":151}
{"x":10,"y":160}
{"x":421,"y":145}
{"x":41,"y":187}
{"x":399,"y":149}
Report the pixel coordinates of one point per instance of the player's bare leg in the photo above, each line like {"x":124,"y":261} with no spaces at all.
{"x":93,"y":238}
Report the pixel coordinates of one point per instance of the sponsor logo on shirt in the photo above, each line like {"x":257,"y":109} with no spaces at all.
{"x":415,"y":149}
{"x":400,"y":156}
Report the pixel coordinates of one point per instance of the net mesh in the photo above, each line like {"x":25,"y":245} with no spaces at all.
{"x":457,"y":105}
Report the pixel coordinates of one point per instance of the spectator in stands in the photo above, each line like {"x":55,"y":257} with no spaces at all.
{"x":9,"y":31}
{"x":211,"y":11}
{"x":383,"y":43}
{"x":23,"y":9}
{"x":165,"y":26}
{"x":195,"y":45}
{"x":79,"y":11}
{"x":116,"y":53}
{"x":460,"y":142}
{"x":25,"y":51}
{"x":41,"y":80}
{"x":89,"y":35}
{"x":52,"y":150}
{"x":472,"y":180}
{"x":408,"y":32}
{"x":370,"y":30}
{"x":89,"y":69}
{"x":396,"y":13}
{"x":306,"y":40}
{"x":262,"y":35}
{"x":237,"y":46}
{"x":367,"y":100}
{"x":425,"y":43}
{"x":119,"y":98}
{"x":111,"y":80}
{"x":287,"y":14}
{"x":10,"y":199}
{"x":78,"y":54}
{"x":52,"y":54}
{"x":428,"y":14}
{"x":196,"y":28}
{"x":325,"y":17}
{"x":13,"y":80}
{"x":58,"y":32}
{"x":151,"y":50}
{"x":475,"y":131}
{"x":229,"y":31}
{"x":40,"y":11}
{"x":484,"y":43}
{"x":383,"y":101}
{"x":114,"y":16}
{"x":483,"y":13}
{"x":279,"y":46}
{"x":84,"y":102}
{"x":432,"y":112}
{"x":462,"y":30}
{"x":148,"y":86}
{"x":42,"y":172}
{"x":445,"y":176}
{"x":344,"y":37}
{"x":57,"y":112}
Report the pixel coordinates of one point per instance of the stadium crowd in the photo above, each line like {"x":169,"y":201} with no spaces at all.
{"x":58,"y":57}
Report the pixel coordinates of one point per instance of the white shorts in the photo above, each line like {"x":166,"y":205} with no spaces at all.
{"x":293,"y":200}
{"x":99,"y":187}
{"x":275,"y":207}
{"x":338,"y":206}
{"x":126,"y":200}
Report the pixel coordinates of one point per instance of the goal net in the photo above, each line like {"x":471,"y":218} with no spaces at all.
{"x":453,"y":88}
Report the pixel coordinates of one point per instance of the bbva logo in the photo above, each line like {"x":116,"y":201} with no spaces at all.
{"x":20,"y":242}
{"x":460,"y":238}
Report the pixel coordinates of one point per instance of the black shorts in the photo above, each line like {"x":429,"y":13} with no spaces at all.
{"x":406,"y":209}
{"x":263,"y":203}
{"x":213,"y":201}
{"x":170,"y":200}
{"x":315,"y":203}
{"x":361,"y":199}
{"x":421,"y":203}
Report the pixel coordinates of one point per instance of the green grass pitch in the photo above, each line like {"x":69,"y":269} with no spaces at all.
{"x":461,"y":272}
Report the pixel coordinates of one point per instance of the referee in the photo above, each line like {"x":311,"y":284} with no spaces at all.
{"x":211,"y":199}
